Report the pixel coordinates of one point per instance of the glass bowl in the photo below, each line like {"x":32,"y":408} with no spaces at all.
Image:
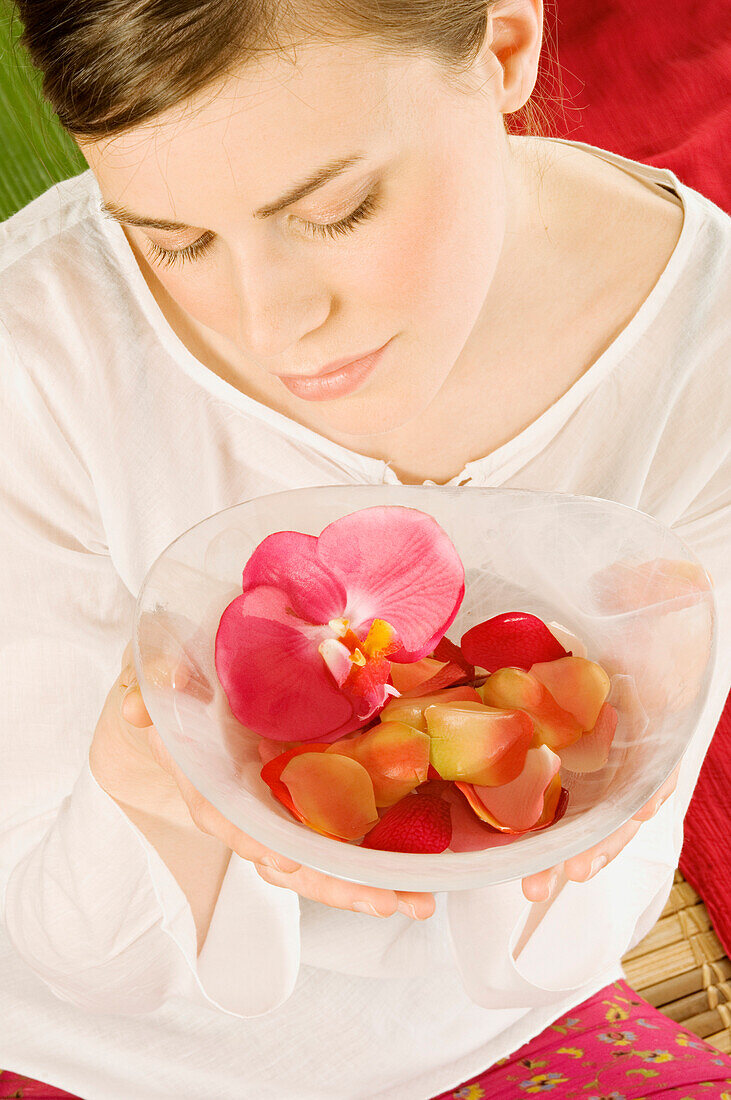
{"x":630,"y":589}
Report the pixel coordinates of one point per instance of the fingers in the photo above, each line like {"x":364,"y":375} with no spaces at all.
{"x":339,"y":894}
{"x":133,"y":708}
{"x":588,"y":863}
{"x":580,"y":868}
{"x":542,"y":885}
{"x":306,"y":881}
{"x":279,"y":870}
{"x":208,"y":819}
{"x":163,"y":671}
{"x":274,"y":868}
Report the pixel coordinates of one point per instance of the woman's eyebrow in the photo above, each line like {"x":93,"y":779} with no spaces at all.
{"x":323,"y":175}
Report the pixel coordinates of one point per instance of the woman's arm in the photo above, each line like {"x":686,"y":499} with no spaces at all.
{"x":127,"y":772}
{"x":108,"y":908}
{"x":198,"y":862}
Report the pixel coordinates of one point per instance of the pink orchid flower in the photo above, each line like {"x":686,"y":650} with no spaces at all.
{"x":304,"y":654}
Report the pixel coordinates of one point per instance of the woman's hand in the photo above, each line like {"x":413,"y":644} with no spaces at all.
{"x":540,"y":887}
{"x":273,"y":868}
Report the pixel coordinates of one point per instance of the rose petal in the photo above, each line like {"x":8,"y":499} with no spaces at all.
{"x":446,"y":650}
{"x":625,"y":586}
{"x":514,"y":639}
{"x":591,"y":751}
{"x":518,"y":805}
{"x":469,"y":834}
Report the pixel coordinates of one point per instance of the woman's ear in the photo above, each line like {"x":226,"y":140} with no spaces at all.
{"x":511,"y":51}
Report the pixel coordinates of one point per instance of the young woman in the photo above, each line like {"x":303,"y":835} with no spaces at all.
{"x":275,"y":191}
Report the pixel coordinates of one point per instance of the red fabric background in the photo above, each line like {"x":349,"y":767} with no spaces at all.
{"x":651,"y":80}
{"x":647,"y":79}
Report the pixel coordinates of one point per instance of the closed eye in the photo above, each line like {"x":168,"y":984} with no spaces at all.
{"x":170,"y":256}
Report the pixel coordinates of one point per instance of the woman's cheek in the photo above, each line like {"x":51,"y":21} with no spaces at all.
{"x":209,"y":300}
{"x":399,"y":270}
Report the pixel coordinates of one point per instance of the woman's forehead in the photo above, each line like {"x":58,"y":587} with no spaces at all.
{"x":266,"y":128}
{"x":330,"y":88}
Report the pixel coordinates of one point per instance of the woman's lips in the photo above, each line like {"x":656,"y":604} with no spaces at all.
{"x":338,"y":383}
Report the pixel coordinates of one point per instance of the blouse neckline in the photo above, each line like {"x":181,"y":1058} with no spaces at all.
{"x":506,"y":458}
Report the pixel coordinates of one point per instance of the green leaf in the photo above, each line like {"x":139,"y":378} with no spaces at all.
{"x":36,"y":150}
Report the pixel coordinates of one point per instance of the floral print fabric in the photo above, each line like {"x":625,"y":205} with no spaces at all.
{"x":614,"y":1046}
{"x":25,"y":1088}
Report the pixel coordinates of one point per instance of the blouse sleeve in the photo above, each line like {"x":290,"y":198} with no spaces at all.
{"x":582,"y":933}
{"x":87,"y":901}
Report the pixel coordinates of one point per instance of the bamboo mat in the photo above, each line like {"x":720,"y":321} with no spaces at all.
{"x":681,"y":968}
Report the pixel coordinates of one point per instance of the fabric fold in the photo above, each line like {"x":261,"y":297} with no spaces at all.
{"x":579,"y":934}
{"x":82,"y":912}
{"x":115,"y":933}
{"x":251,"y":957}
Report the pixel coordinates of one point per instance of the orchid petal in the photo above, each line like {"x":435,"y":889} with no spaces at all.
{"x":398,"y":564}
{"x":289,"y":560}
{"x":274,"y":678}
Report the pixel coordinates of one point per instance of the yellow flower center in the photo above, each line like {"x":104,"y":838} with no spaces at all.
{"x":379,"y":641}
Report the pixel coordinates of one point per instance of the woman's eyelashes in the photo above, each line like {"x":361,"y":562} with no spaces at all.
{"x":194,"y":251}
{"x":170,"y":256}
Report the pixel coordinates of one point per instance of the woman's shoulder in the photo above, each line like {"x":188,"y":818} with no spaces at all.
{"x":59,"y":209}
{"x":66,"y":327}
{"x":49,"y":255}
{"x":610,"y":198}
{"x":640,"y":238}
{"x":61,"y":288}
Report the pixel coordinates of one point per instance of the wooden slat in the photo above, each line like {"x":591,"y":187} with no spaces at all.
{"x":672,"y":928}
{"x":721,"y":1040}
{"x":681,"y":895}
{"x":681,"y":968}
{"x":690,"y":981}
{"x":705,"y":1023}
{"x":685,"y":1008}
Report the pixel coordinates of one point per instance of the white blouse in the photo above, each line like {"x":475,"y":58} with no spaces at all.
{"x":115,"y":439}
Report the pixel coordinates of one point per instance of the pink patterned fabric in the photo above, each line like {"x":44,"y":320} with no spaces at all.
{"x":24,"y":1088}
{"x":614,"y":1046}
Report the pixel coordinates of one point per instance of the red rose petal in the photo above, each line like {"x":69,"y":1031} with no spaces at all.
{"x":515,"y":639}
{"x":416,"y":823}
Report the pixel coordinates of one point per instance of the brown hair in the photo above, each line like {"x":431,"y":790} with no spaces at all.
{"x":109,"y":65}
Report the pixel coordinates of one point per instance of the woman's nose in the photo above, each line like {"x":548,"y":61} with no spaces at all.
{"x":279,"y":302}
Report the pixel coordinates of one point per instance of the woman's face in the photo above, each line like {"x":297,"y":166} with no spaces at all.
{"x":282,"y":294}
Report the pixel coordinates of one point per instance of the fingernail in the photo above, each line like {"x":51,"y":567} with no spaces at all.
{"x":657,"y":805}
{"x":408,"y":909}
{"x":366,"y":907}
{"x":597,"y":864}
{"x":550,"y":887}
{"x":132,"y":686}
